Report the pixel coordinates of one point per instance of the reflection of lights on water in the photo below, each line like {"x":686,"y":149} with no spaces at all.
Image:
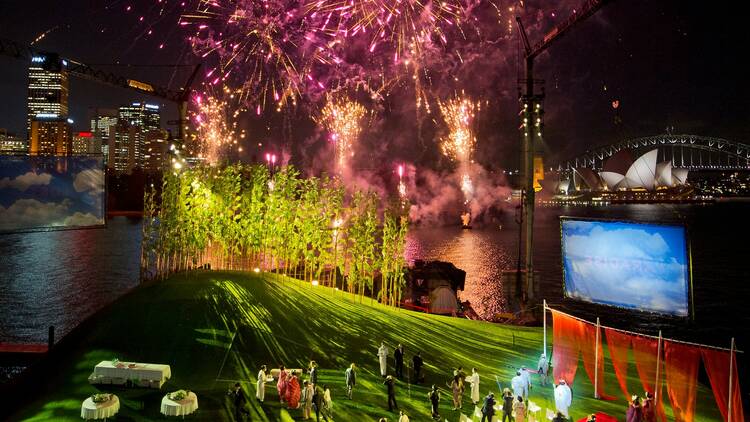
{"x":256,"y":270}
{"x":483,"y":254}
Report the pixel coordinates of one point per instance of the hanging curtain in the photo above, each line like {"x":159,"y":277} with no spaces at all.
{"x":567,"y":333}
{"x":619,"y":344}
{"x":587,"y":345}
{"x":645,"y":352}
{"x":717,"y":367}
{"x":681,"y":369}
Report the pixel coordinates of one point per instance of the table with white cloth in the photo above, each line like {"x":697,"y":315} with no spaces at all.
{"x":104,"y":410}
{"x":182,"y":407}
{"x":145,"y":374}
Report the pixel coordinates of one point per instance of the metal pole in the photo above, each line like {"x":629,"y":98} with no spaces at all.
{"x":658,"y":366}
{"x":528,"y":149}
{"x":596,"y":361}
{"x":544,"y":317}
{"x":731,"y":383}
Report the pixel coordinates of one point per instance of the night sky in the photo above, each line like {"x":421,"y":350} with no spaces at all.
{"x":669,"y":63}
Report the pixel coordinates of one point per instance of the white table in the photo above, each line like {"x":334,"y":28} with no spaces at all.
{"x":121,"y":372}
{"x":107,"y":409}
{"x":183,"y":407}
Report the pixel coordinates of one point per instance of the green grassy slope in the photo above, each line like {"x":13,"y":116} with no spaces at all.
{"x":215,"y":328}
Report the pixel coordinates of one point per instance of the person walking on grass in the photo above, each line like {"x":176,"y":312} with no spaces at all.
{"x":350,"y":376}
{"x":488,"y":408}
{"x":563,"y":397}
{"x":474,"y":381}
{"x":327,"y":402}
{"x":434,"y":396}
{"x":282,"y":383}
{"x":383,"y":359}
{"x":260,"y":385}
{"x":455,"y":387}
{"x":307,"y":397}
{"x":519,"y":385}
{"x":507,"y":406}
{"x":313,"y":372}
{"x":398,"y":357}
{"x":543,"y":369}
{"x":239,"y":400}
{"x":519,"y":409}
{"x":293,"y":391}
{"x":317,"y":403}
{"x":391,"y":384}
{"x":417,"y":365}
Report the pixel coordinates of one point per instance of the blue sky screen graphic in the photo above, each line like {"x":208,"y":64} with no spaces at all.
{"x":51,"y":192}
{"x":629,"y":265}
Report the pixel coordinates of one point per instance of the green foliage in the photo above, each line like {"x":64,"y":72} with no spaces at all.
{"x":242,"y":217}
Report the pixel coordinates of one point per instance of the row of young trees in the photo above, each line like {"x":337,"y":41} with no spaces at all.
{"x":242,"y":217}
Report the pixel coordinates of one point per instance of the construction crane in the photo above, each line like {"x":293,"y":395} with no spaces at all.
{"x":531,"y":125}
{"x":180,"y":97}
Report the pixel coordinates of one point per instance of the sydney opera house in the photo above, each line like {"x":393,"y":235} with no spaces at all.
{"x":624,"y":179}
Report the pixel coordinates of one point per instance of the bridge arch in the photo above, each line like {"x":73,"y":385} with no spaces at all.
{"x":693,"y":152}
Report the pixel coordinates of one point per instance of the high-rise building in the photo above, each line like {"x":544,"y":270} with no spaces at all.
{"x":145,"y":118}
{"x":155,"y":150}
{"x":102,"y":122}
{"x":50,"y":137}
{"x":124,"y":148}
{"x":85,"y":143}
{"x":48,"y":89}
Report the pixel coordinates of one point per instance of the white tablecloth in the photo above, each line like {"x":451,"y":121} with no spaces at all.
{"x":179,"y":408}
{"x":91,"y":410}
{"x":141,"y":371}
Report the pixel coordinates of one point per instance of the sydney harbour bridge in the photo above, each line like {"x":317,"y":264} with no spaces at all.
{"x":692,"y":152}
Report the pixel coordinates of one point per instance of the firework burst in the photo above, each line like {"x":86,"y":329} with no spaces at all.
{"x":343,"y":120}
{"x":263,"y":49}
{"x":459,"y":115}
{"x":213,"y":123}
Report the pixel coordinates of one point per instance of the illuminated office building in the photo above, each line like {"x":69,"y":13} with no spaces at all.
{"x":10,"y":144}
{"x":155,"y":150}
{"x":102,"y":122}
{"x":124,"y":148}
{"x":48,"y":89}
{"x":144,"y":118}
{"x":50,"y":137}
{"x":85,"y":143}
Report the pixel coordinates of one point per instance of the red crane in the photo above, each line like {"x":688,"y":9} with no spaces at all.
{"x":531,"y":123}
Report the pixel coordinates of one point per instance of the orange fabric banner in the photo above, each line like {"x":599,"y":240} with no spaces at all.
{"x":681,"y":369}
{"x":566,"y":338}
{"x":645,"y":352}
{"x":717,"y":367}
{"x":619,"y":344}
{"x":589,"y":349}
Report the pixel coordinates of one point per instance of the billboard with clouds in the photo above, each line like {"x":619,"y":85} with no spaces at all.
{"x":630,"y":265}
{"x":51,"y":192}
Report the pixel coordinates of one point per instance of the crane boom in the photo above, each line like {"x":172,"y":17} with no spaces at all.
{"x":579,"y":15}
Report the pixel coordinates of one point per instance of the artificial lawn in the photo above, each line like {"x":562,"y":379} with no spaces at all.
{"x":216,"y":328}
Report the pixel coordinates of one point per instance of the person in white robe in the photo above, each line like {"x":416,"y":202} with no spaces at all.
{"x":260,"y":394}
{"x":383,"y":357}
{"x":519,"y":386}
{"x":563,"y":398}
{"x":543,"y":369}
{"x":473,"y":379}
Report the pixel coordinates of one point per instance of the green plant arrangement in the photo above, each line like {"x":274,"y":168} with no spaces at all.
{"x":179,"y":395}
{"x":242,"y":217}
{"x":101,"y":397}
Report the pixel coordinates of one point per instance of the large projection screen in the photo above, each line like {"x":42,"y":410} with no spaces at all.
{"x":51,"y":192}
{"x":631,"y":265}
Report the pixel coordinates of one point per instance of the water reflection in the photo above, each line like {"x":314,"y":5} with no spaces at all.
{"x":482,"y":253}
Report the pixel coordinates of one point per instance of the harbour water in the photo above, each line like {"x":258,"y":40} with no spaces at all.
{"x":61,"y":277}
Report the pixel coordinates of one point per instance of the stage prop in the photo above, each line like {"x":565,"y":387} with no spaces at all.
{"x":51,"y":192}
{"x":659,"y":362}
{"x":639,"y":266}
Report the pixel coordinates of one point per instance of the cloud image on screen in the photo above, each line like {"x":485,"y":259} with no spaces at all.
{"x":629,"y":265}
{"x":51,"y":192}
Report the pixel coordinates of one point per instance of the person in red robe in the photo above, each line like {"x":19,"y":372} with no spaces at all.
{"x":649,"y":410}
{"x":293,"y":391}
{"x":282,"y":383}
